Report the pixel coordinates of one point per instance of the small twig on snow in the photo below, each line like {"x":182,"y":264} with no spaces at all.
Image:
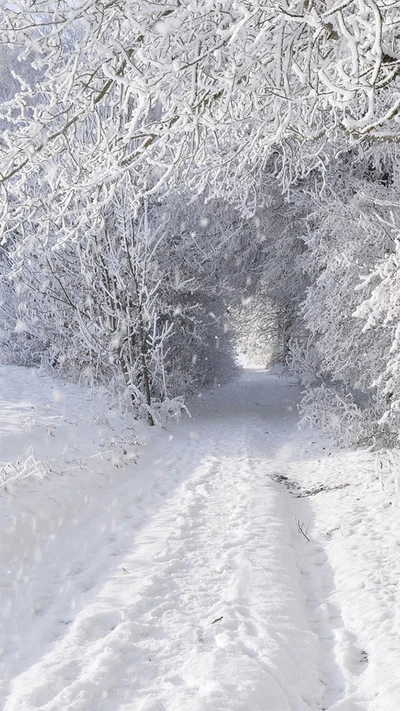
{"x":300,"y":527}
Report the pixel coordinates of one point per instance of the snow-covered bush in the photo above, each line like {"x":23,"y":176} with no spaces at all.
{"x":136,"y":307}
{"x":347,"y":351}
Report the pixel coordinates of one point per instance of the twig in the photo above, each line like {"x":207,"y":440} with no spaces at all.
{"x":300,"y":527}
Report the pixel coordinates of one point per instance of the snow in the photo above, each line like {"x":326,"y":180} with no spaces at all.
{"x":228,"y":562}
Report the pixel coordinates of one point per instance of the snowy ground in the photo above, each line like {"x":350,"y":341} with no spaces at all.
{"x":237,"y":565}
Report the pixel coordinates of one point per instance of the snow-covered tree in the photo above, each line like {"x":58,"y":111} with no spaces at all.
{"x":142,"y":119}
{"x":348,"y":339}
{"x":200,"y":90}
{"x":139,"y":307}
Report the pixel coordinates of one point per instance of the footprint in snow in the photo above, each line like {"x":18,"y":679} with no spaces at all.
{"x":98,"y":625}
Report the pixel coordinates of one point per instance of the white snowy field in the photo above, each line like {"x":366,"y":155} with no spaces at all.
{"x":227,"y":563}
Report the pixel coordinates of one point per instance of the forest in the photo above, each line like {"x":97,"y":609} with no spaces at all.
{"x":199,"y":355}
{"x":180,"y":179}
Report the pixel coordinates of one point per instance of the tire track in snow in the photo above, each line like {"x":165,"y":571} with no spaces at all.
{"x":340,"y":649}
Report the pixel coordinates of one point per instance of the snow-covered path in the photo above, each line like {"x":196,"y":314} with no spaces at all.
{"x":197,"y":579}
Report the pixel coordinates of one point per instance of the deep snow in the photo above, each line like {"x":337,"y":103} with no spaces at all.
{"x":229,"y":562}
